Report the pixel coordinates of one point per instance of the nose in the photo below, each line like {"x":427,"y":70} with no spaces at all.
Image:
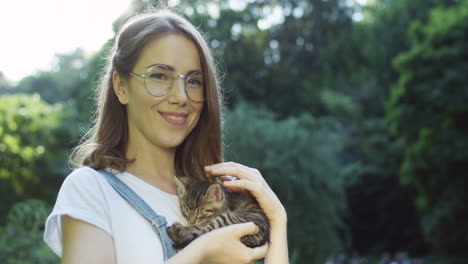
{"x":177,"y":93}
{"x":192,"y":219}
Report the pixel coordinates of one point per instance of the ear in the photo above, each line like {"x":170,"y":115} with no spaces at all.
{"x":120,"y":88}
{"x":180,"y":185}
{"x":214,"y":193}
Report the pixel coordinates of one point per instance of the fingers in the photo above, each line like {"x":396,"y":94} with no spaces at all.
{"x":251,"y":180}
{"x":259,"y":252}
{"x":250,"y":228}
{"x":244,"y":229}
{"x":234,"y":169}
{"x":265,"y":197}
{"x":252,"y":187}
{"x":239,"y":190}
{"x":227,"y":178}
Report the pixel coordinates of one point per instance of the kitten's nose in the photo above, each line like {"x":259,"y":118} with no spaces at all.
{"x":192,"y":219}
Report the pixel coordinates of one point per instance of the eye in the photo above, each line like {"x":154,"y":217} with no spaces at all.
{"x":159,"y":76}
{"x":210,"y":211}
{"x":194,"y":82}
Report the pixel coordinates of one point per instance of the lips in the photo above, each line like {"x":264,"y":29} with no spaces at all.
{"x":175,"y":118}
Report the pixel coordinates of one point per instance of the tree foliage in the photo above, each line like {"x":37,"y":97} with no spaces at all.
{"x":34,"y":141}
{"x":63,"y":83}
{"x":428,"y":111}
{"x":21,"y":236}
{"x":298,"y":157}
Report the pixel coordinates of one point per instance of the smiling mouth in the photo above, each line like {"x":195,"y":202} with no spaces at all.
{"x":176,"y":119}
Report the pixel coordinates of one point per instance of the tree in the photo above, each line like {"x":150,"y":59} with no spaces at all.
{"x":299,"y":159}
{"x":428,"y":111}
{"x":372,"y":156}
{"x":4,"y":83}
{"x":361,"y":64}
{"x":21,"y":236}
{"x":64,"y":83}
{"x":34,"y":141}
{"x":382,"y":214}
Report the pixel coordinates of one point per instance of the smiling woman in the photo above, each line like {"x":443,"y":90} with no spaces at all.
{"x":158,"y":117}
{"x":53,"y":26}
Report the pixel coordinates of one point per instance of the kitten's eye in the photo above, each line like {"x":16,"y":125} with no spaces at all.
{"x":210,"y":211}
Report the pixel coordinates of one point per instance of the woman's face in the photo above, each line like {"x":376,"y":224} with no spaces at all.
{"x":167,"y":120}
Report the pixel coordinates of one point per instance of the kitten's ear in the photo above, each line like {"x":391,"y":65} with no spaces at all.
{"x":214,"y":193}
{"x":180,"y":182}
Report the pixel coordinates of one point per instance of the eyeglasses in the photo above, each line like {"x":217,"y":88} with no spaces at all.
{"x":159,"y":80}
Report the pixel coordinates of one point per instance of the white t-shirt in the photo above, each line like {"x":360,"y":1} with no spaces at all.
{"x":86,"y":195}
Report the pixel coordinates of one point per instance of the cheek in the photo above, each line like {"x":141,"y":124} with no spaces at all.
{"x":141,"y":106}
{"x":196,"y":110}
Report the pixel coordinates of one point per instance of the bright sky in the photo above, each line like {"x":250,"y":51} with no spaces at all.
{"x":33,"y":31}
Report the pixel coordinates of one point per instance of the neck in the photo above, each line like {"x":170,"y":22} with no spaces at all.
{"x":153,"y":165}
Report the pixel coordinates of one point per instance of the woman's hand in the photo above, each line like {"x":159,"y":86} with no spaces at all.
{"x":221,"y":246}
{"x":251,"y":180}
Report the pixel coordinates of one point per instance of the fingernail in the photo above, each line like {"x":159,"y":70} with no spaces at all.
{"x":256,"y":227}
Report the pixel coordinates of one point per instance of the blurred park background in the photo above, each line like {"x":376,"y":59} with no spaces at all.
{"x":355,"y":112}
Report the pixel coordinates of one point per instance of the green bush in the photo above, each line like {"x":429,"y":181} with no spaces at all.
{"x":34,"y":140}
{"x":428,"y":110}
{"x":21,"y":237}
{"x":299,"y":159}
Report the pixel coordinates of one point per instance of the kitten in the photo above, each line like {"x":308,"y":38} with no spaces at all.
{"x":208,"y":206}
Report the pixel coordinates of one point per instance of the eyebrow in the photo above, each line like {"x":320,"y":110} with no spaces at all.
{"x":172,"y":68}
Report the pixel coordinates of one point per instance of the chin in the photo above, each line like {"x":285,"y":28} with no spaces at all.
{"x":172,"y":142}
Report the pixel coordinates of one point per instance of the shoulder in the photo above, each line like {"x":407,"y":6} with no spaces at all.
{"x":84,"y":195}
{"x":83,"y":180}
{"x":83,"y":175}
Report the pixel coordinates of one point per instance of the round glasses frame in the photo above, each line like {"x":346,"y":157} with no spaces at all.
{"x":173,"y":77}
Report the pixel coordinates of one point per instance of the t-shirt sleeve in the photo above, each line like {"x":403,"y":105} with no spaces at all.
{"x":81,"y":197}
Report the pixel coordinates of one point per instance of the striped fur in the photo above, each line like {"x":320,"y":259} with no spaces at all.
{"x":208,"y":206}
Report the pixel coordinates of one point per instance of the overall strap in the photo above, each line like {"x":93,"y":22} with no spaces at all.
{"x":158,"y":222}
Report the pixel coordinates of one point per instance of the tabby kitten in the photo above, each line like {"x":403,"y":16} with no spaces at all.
{"x":208,"y":206}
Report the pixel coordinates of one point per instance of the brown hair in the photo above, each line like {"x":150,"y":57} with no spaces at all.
{"x":104,"y":145}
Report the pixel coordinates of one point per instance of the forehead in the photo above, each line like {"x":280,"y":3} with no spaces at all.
{"x":175,"y":50}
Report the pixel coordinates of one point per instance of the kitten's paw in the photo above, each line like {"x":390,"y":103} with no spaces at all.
{"x":174,"y":232}
{"x":181,"y":235}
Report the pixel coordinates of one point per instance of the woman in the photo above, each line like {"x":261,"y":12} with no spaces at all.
{"x":158,"y":115}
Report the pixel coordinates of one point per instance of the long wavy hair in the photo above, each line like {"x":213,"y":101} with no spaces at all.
{"x":105,"y":144}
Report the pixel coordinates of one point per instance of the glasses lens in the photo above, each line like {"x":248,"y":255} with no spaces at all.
{"x":196,"y":86}
{"x":158,"y":80}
